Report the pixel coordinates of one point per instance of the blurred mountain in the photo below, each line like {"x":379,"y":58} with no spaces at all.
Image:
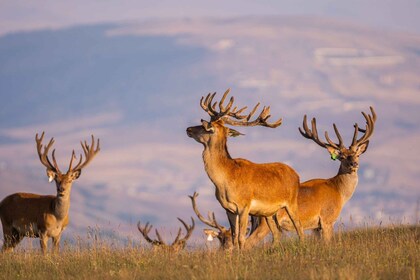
{"x":137,"y":87}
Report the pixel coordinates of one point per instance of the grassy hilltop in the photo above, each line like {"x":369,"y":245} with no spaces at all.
{"x":380,"y":253}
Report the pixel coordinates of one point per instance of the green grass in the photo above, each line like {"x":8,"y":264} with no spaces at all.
{"x":381,"y":253}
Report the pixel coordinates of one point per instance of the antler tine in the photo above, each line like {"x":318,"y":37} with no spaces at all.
{"x":252,"y":112}
{"x":373,"y":113}
{"x":177,"y":237}
{"x":368,"y":131}
{"x":226,"y":113}
{"x":73,"y":156}
{"x":340,"y":139}
{"x":225,"y":110}
{"x":189,"y":230}
{"x":260,"y":120}
{"x":311,"y":134}
{"x":236,"y":113}
{"x":206,"y":105}
{"x":330,"y":142}
{"x":89,"y":151}
{"x":356,"y":130}
{"x":55,"y":162}
{"x":43,"y":155}
{"x":145,"y":232}
{"x":218,"y":226}
{"x":161,"y":241}
{"x":200,"y":217}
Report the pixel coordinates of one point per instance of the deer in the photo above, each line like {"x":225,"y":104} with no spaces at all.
{"x":320,"y":201}
{"x":177,"y":245}
{"x":243,"y":187}
{"x":223,"y":234}
{"x":43,"y":216}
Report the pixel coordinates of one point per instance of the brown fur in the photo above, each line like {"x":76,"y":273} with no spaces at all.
{"x":42,"y":216}
{"x":30,"y":215}
{"x":320,"y":201}
{"x":245,"y":188}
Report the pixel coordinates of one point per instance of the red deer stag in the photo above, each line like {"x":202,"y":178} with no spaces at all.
{"x":44,"y":216}
{"x":244,"y":188}
{"x":178,"y":244}
{"x":320,"y":200}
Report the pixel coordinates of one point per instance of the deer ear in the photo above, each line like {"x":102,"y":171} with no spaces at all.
{"x":335,"y":154}
{"x":362,"y":148}
{"x":234,"y":133}
{"x":207,"y":126}
{"x":76,"y":174}
{"x":210,"y":234}
{"x":51,"y":175}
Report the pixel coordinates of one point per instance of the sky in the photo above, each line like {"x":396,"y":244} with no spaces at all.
{"x":28,"y":15}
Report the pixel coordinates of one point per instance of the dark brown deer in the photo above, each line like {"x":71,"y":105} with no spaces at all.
{"x":43,"y":216}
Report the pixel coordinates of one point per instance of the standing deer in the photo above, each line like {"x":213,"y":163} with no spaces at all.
{"x":177,"y":245}
{"x":242,"y":187}
{"x":44,"y":216}
{"x":320,"y":200}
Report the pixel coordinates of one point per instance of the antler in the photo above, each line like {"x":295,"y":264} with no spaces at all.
{"x":178,"y":243}
{"x":234,"y":117}
{"x":145,"y":232}
{"x":182,"y":241}
{"x":212,"y":218}
{"x":368,"y":131}
{"x":89,"y":151}
{"x":43,"y":156}
{"x":313,"y":134}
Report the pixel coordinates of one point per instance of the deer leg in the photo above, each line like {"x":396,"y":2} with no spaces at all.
{"x":43,"y":242}
{"x":7,"y":236}
{"x":258,"y":234}
{"x":274,"y":229}
{"x":233,"y":220}
{"x":56,"y":243}
{"x":12,"y":237}
{"x":292,"y":212}
{"x":327,"y":232}
{"x":317,"y":231}
{"x":243,"y":225}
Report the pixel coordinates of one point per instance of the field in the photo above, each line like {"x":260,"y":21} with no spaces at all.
{"x":371,"y":253}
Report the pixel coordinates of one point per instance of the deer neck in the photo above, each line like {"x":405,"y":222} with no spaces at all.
{"x":345,"y":183}
{"x":61,"y":205}
{"x":217,"y":162}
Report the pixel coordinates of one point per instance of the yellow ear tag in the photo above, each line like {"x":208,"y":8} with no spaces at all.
{"x":334,"y":156}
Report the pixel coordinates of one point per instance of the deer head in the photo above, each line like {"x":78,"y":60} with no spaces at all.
{"x":64,"y":180}
{"x":210,"y":133}
{"x":178,"y":244}
{"x":349,"y":157}
{"x":218,"y":231}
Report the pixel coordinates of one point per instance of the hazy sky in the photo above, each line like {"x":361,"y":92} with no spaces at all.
{"x":27,"y":15}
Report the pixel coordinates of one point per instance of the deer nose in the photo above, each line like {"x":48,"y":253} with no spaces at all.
{"x":189,"y":131}
{"x":354,"y":164}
